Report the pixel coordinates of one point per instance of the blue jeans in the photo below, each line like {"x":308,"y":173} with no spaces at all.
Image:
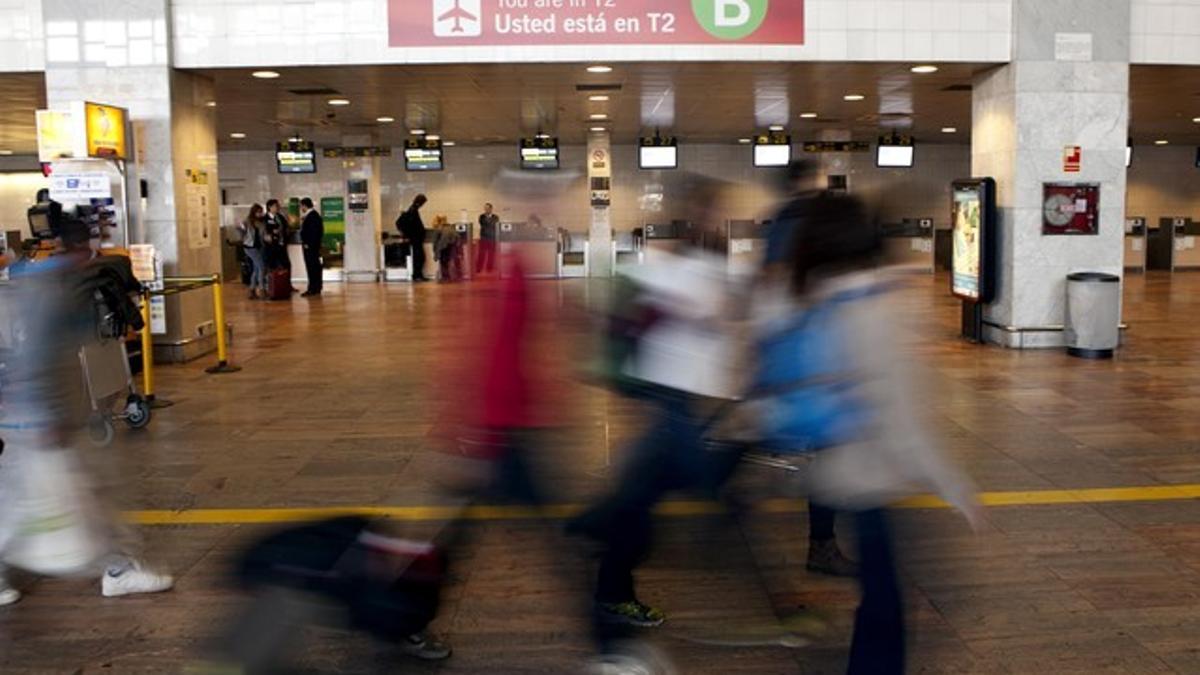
{"x":258,"y":276}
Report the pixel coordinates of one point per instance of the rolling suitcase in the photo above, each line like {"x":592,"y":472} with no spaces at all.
{"x":279,"y":284}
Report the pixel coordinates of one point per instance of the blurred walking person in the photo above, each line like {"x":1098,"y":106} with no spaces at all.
{"x":833,"y":382}
{"x":312,"y":234}
{"x":57,"y":515}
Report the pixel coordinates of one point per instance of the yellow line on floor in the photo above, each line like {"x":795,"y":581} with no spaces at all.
{"x":678,"y":509}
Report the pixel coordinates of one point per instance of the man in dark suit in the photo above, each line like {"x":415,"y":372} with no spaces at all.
{"x":312,"y":231}
{"x":411,"y":228}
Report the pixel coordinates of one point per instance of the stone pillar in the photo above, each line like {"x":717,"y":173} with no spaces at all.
{"x":363,"y":228}
{"x":118,"y":52}
{"x":600,"y":234}
{"x":1068,"y":85}
{"x":834,"y":163}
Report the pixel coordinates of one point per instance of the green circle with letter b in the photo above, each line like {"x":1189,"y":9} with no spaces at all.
{"x":730,"y":19}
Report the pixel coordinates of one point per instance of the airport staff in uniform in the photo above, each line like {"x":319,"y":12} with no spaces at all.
{"x":312,"y":232}
{"x":489,"y":225}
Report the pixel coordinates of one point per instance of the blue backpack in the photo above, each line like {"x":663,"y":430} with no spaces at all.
{"x":805,"y":387}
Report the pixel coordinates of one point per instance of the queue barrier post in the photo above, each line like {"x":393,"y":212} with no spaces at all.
{"x":223,"y":366}
{"x":148,"y":358}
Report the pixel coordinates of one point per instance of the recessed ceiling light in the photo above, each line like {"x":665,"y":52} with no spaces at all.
{"x":853,"y":97}
{"x":808,"y":115}
{"x":237,"y":134}
{"x":448,"y":144}
{"x":265,"y":74}
{"x":385,"y":119}
{"x":1161,"y":141}
{"x":295,"y":139}
{"x":210,"y":104}
{"x":339,"y":101}
{"x":541,"y":135}
{"x":599,"y":116}
{"x":775,"y":127}
{"x":598,"y":98}
{"x":598,"y":129}
{"x":417,"y":132}
{"x":6,"y":153}
{"x":949,"y":130}
{"x":1196,"y":120}
{"x":433,"y":137}
{"x":924,"y":70}
{"x":599,"y":69}
{"x":744,"y":141}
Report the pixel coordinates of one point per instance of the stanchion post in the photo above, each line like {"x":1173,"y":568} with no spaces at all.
{"x":223,"y":365}
{"x":147,"y":350}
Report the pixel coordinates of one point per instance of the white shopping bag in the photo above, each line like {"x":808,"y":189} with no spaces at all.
{"x":53,"y":528}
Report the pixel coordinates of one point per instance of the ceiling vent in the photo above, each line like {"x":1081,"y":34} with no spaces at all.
{"x":597,"y":87}
{"x":958,"y":87}
{"x":314,"y":91}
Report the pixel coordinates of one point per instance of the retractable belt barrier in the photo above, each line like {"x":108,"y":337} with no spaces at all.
{"x":176,"y":286}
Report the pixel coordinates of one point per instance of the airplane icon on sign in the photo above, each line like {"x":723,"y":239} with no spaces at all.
{"x":452,"y":19}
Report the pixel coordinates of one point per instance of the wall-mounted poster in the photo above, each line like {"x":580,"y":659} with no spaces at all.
{"x":973,"y":221}
{"x":1071,"y":208}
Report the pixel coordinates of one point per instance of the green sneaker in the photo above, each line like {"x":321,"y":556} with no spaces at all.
{"x":632,"y":612}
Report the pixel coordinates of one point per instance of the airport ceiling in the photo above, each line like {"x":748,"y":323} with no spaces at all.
{"x":698,"y":102}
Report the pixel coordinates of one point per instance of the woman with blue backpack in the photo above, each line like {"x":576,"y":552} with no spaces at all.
{"x":831,"y":383}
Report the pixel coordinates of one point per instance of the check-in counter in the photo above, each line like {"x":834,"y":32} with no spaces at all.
{"x":536,"y":244}
{"x":627,"y":250}
{"x":747,"y":242}
{"x":909,"y":244}
{"x":670,"y":237}
{"x":1186,"y":254}
{"x":1135,"y":244}
{"x":573,"y":255}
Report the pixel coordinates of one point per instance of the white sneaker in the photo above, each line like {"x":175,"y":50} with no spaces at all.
{"x":8,"y":594}
{"x":134,"y":579}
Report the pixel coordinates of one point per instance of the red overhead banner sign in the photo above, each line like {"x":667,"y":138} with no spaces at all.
{"x":447,"y":23}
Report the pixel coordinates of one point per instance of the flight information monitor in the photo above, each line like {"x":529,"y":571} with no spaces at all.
{"x":772,"y":150}
{"x":658,"y":153}
{"x":295,"y":157}
{"x":895,"y":156}
{"x":423,"y":155}
{"x":539,"y":153}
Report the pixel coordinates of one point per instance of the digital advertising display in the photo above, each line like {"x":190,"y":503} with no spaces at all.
{"x":539,"y":154}
{"x":973,"y":233}
{"x":105,"y":128}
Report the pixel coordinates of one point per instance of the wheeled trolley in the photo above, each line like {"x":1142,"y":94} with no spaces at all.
{"x":109,"y":383}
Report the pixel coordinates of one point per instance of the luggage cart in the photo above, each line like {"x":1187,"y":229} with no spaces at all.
{"x":108,"y":380}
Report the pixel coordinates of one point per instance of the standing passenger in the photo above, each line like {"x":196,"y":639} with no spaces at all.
{"x":312,"y":232}
{"x":252,"y":243}
{"x":489,"y":225}
{"x":410,"y":226}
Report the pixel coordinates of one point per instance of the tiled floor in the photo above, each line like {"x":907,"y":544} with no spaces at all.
{"x":340,"y":399}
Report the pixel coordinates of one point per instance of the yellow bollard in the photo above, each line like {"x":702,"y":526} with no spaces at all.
{"x":147,"y":350}
{"x":222,"y":348}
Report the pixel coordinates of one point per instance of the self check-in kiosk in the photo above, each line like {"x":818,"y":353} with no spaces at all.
{"x":669,"y":237}
{"x":1135,"y":244}
{"x":747,"y":245}
{"x":1185,"y":254}
{"x":909,"y":244}
{"x":627,"y":249}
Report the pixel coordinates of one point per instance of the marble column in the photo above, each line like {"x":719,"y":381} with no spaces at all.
{"x":118,"y":52}
{"x":1068,"y":85}
{"x":363,"y":228}
{"x":600,"y":232}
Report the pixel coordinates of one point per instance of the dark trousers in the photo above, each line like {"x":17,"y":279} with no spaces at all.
{"x":486,"y":260}
{"x":878,"y":645}
{"x":667,"y":457}
{"x":418,"y":259}
{"x":820,"y":522}
{"x":312,"y":261}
